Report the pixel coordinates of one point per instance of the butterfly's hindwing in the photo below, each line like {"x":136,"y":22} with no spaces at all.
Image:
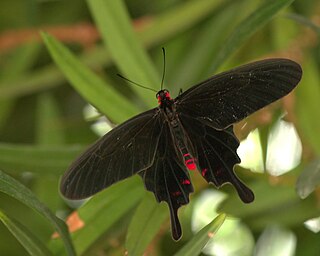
{"x":216,"y":154}
{"x":168,"y":179}
{"x":124,"y":151}
{"x":229,"y":97}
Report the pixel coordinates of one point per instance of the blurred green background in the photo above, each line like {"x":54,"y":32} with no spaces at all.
{"x":46,"y":83}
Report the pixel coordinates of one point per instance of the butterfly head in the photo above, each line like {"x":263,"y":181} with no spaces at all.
{"x":163,"y":96}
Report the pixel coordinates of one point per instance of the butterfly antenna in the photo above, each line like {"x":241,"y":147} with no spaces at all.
{"x":139,"y":85}
{"x":164,"y":66}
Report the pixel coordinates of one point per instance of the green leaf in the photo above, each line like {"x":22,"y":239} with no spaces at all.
{"x":145,"y":224}
{"x":304,"y":21}
{"x":196,"y":244}
{"x":42,"y":160}
{"x":158,"y":30}
{"x":49,"y":125}
{"x":115,"y":27}
{"x":28,"y":240}
{"x":18,"y":191}
{"x":307,"y":104}
{"x":177,"y":19}
{"x":89,"y":85}
{"x":309,"y":179}
{"x":268,"y":206}
{"x":104,"y":210}
{"x":16,"y":65}
{"x":205,"y":46}
{"x":247,"y":28}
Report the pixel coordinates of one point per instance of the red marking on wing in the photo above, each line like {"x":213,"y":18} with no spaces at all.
{"x":176,"y":193}
{"x":186,"y":182}
{"x":219,"y":172}
{"x":204,"y":171}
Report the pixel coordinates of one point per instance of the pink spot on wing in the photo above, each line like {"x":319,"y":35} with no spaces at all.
{"x":204,"y":171}
{"x":186,"y":182}
{"x":219,"y":172}
{"x":176,"y":193}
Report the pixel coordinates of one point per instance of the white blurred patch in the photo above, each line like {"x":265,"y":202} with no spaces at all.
{"x":102,"y":125}
{"x":232,"y":239}
{"x":284,"y":148}
{"x":313,"y":224}
{"x":276,"y":241}
{"x":250,"y":152}
{"x":283,"y":151}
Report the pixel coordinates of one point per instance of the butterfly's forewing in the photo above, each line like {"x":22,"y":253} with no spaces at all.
{"x":122,"y":152}
{"x":229,"y":97}
{"x":216,"y":152}
{"x":168,"y":179}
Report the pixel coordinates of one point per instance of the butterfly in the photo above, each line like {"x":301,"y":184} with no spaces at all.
{"x":193,"y":132}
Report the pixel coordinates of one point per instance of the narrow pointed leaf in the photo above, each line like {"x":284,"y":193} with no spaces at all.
{"x":29,"y":241}
{"x":255,"y":21}
{"x":196,"y":244}
{"x":117,"y":32}
{"x":102,"y":211}
{"x":42,"y":160}
{"x":90,"y":86}
{"x":145,"y":224}
{"x":18,"y":191}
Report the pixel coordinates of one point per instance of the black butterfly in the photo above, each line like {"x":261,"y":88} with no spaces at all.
{"x":191,"y":132}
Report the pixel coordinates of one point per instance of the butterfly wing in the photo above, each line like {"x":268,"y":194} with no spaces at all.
{"x":229,"y":97}
{"x":168,"y":179}
{"x":122,"y":152}
{"x":216,"y":155}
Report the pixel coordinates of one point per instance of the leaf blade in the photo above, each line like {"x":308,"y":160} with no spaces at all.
{"x":31,"y":243}
{"x":18,"y":191}
{"x":89,"y":85}
{"x":195,"y":245}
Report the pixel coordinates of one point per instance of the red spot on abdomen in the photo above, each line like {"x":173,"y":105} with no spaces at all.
{"x":190,"y":164}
